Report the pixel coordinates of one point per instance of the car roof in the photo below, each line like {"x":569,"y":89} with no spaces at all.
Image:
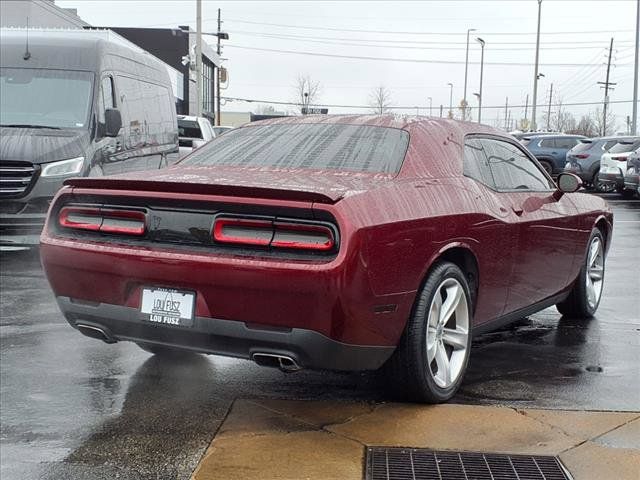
{"x":188,"y":117}
{"x":389,"y":121}
{"x":557,"y":135}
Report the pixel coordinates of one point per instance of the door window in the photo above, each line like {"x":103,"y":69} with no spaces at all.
{"x":548,"y":143}
{"x":475,"y":163}
{"x":566,"y":143}
{"x":512,"y":169}
{"x":107,"y":97}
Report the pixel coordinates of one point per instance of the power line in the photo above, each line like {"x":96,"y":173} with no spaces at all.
{"x":357,"y":30}
{"x":409,"y":60}
{"x":407,"y":47}
{"x":290,"y":36}
{"x":277,"y":102}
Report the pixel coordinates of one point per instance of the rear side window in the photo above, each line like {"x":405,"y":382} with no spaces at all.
{"x":608,"y":145}
{"x":512,"y":169}
{"x":625,"y":147}
{"x":189,"y":128}
{"x":583,"y":146}
{"x":475,"y":164}
{"x":565,"y":142}
{"x":356,"y":148}
{"x":548,"y":143}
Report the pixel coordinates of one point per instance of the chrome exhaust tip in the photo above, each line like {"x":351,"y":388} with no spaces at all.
{"x":94,"y":331}
{"x":283,"y":362}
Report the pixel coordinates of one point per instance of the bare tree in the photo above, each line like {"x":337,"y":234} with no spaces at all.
{"x":585,"y":126}
{"x":604,"y":126}
{"x":563,"y":120}
{"x":307,"y":91}
{"x":380,"y":100}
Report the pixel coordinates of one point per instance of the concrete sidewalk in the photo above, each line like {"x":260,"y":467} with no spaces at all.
{"x":279,"y":439}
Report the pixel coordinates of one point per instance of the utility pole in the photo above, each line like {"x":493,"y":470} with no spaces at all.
{"x":430,"y":106}
{"x":535,"y":74}
{"x":634,"y":116}
{"x":199,"y":58}
{"x":506,"y":119}
{"x":466,"y":69}
{"x":526,"y":108}
{"x":607,"y":86}
{"x":219,"y":51}
{"x":549,"y":111}
{"x":450,"y":100}
{"x":440,"y":110}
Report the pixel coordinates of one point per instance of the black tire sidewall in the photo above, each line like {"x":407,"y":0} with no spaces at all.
{"x":419,"y":319}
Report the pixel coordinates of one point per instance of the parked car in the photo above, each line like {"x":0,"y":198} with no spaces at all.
{"x":193,"y":132}
{"x":632,"y":176}
{"x":522,"y":135}
{"x":584,"y":158}
{"x":74,"y":105}
{"x":551,"y":150}
{"x":343,"y":243}
{"x":613,"y":164}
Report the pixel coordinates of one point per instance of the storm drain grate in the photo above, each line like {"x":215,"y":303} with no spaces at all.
{"x":421,"y":464}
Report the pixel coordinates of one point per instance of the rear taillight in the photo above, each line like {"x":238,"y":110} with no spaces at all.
{"x":106,"y":220}
{"x":582,"y":155}
{"x":620,"y":159}
{"x":274,"y":233}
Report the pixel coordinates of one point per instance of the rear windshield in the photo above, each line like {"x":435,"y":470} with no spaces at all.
{"x":189,"y":128}
{"x":583,"y":146}
{"x":623,"y":147}
{"x":356,"y":148}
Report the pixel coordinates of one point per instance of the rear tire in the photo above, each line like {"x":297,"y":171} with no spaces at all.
{"x":433,"y":353}
{"x":547,"y":166}
{"x":584,"y":298}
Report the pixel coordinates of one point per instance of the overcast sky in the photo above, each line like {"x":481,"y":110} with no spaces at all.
{"x":575,"y":40}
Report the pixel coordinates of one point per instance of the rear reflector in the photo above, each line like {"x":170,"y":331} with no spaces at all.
{"x":278,"y":234}
{"x":124,"y":222}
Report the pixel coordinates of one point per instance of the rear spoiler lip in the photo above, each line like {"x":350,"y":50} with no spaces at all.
{"x":206,"y":189}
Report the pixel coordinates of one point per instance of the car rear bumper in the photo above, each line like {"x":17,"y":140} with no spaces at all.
{"x":308,"y":348}
{"x":631,"y":182}
{"x":612,"y":179}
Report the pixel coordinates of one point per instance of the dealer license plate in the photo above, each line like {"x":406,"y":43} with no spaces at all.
{"x":167,"y":306}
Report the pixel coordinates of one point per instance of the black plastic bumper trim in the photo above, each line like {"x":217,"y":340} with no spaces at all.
{"x":310,"y":349}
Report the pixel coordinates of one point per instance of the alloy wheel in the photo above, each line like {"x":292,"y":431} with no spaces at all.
{"x":447,"y":333}
{"x":595,"y":272}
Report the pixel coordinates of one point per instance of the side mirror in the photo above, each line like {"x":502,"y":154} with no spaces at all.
{"x":567,"y":183}
{"x":112,"y":122}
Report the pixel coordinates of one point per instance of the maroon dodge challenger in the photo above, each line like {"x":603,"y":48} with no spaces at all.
{"x":329,"y":242}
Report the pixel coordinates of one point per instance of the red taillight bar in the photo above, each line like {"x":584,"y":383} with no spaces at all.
{"x":278,"y":234}
{"x":255,"y":226}
{"x":324,"y":236}
{"x":620,"y":159}
{"x":125,"y":222}
{"x":582,"y":155}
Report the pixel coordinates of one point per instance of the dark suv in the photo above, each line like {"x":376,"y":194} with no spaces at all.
{"x":551,"y":150}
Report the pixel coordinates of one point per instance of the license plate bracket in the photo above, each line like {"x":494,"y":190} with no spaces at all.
{"x":168,"y":306}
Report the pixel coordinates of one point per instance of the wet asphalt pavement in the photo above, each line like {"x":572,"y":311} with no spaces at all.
{"x":75,"y":408}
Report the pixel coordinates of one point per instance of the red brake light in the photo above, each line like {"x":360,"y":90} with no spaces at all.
{"x":303,"y":236}
{"x":243,"y":231}
{"x":265,"y":232}
{"x":126,"y":222}
{"x":80,"y":218}
{"x":582,"y":155}
{"x":620,"y":159}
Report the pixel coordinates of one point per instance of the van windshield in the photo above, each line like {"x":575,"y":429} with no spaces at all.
{"x":39,"y":97}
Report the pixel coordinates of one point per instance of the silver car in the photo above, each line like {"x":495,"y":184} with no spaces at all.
{"x":584,"y":158}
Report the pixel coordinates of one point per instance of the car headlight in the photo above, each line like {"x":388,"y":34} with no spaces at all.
{"x":63,"y":167}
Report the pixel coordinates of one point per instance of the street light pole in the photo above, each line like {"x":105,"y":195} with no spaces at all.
{"x":466,"y":69}
{"x":535,"y":74}
{"x":431,"y":104}
{"x":450,"y":100}
{"x":482,"y":43}
{"x":199,"y":58}
{"x":634,"y":119}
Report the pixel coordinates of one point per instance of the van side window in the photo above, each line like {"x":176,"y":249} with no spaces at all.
{"x":107,"y":97}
